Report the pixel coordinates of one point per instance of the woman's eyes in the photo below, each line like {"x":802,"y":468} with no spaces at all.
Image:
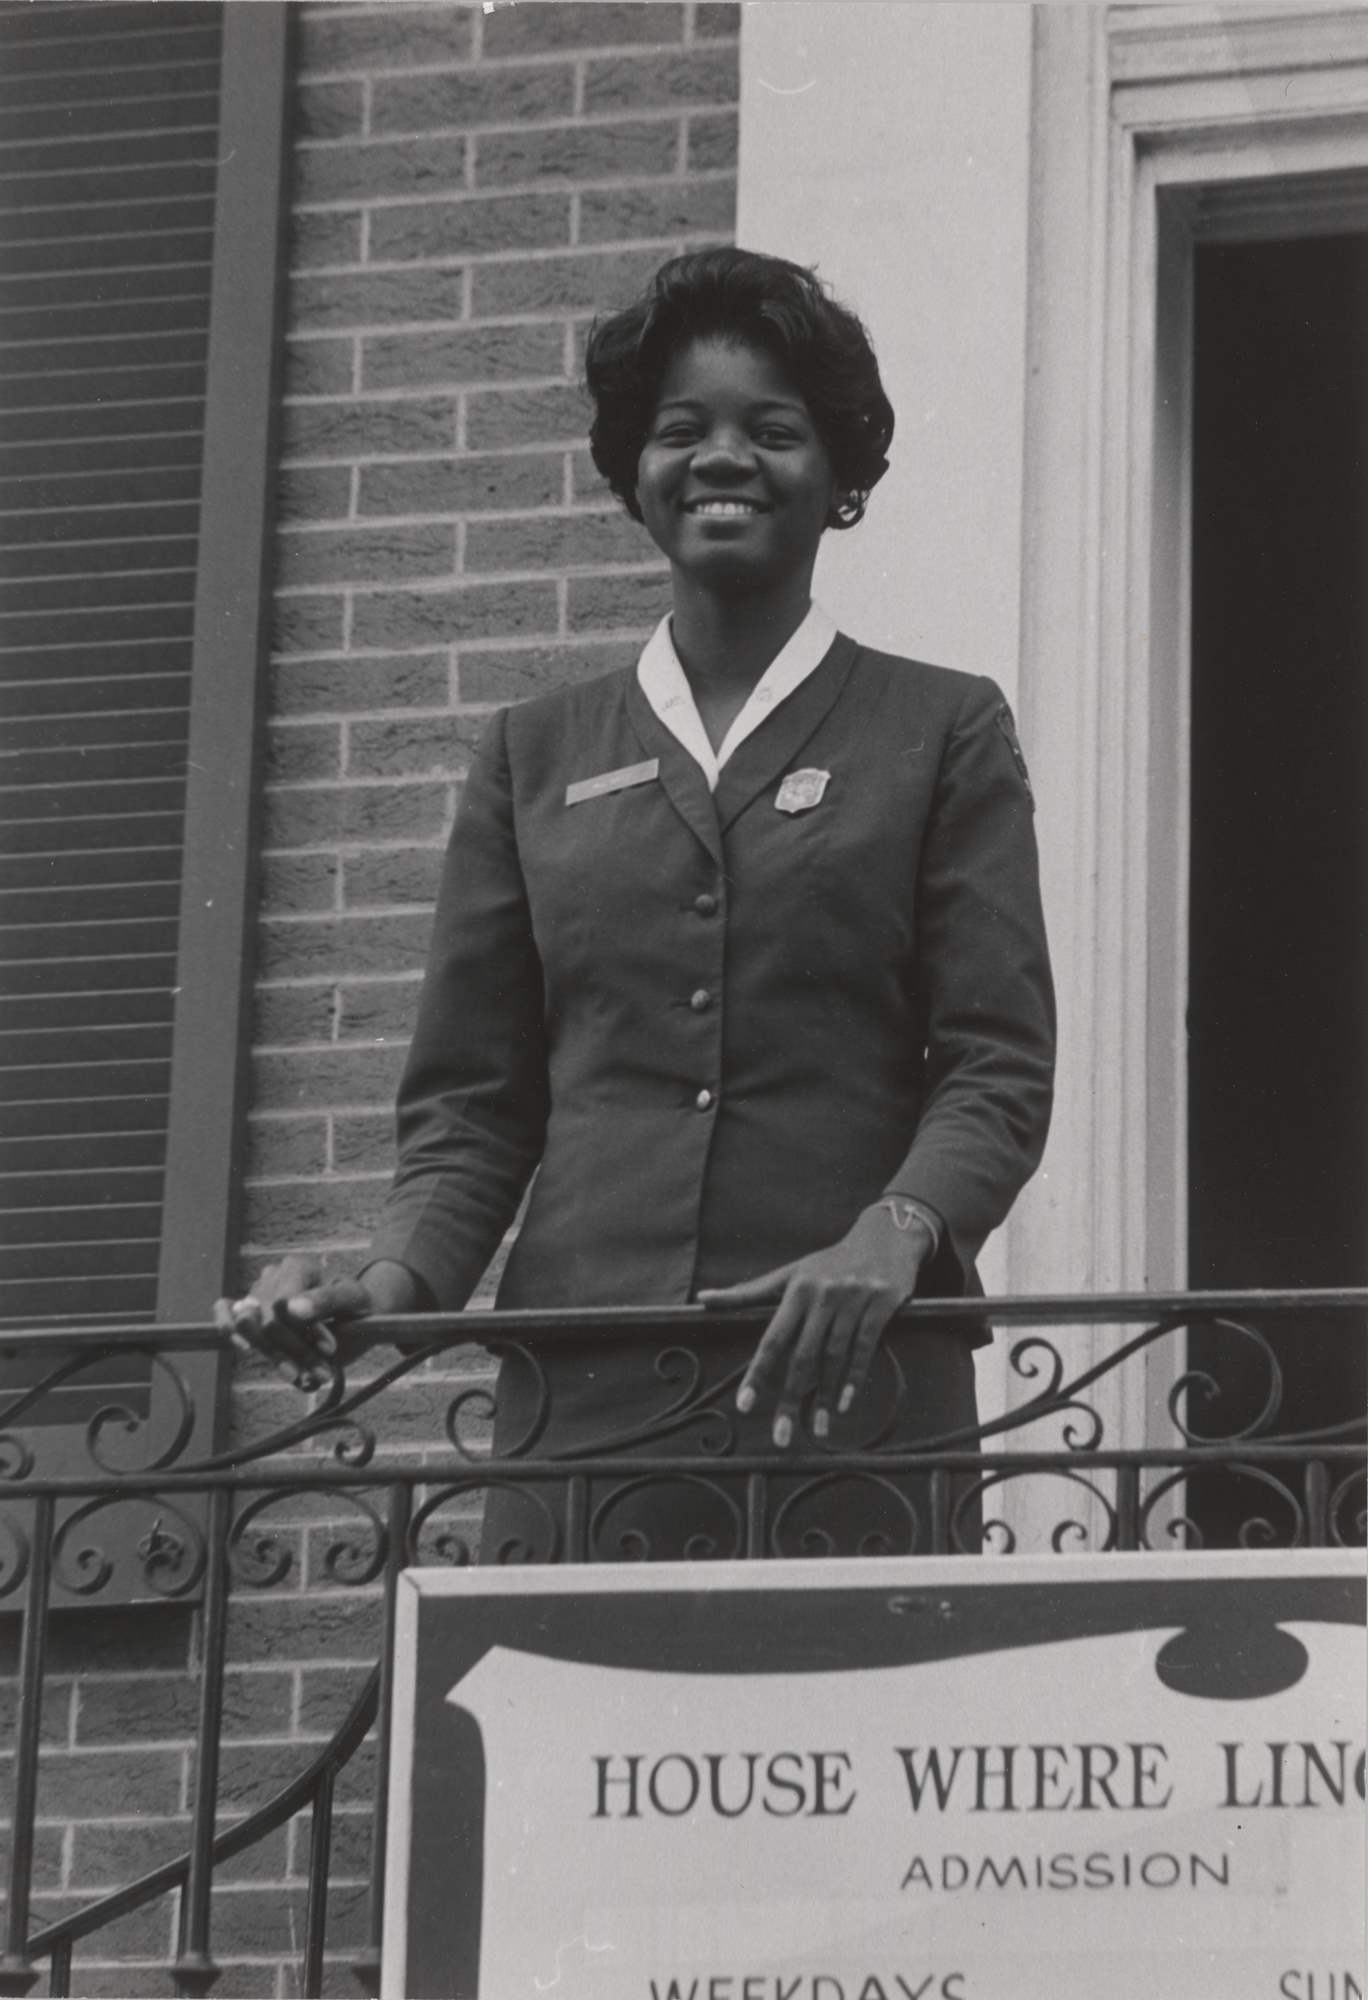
{"x":770,"y":435}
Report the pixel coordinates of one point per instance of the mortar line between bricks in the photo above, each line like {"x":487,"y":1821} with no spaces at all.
{"x":644,"y":53}
{"x":545,"y":183}
{"x":303,"y":333}
{"x":493,"y":191}
{"x":428,"y":586}
{"x":430,"y":393}
{"x":476,"y":649}
{"x":307,"y":1739}
{"x":438,"y":455}
{"x":439,"y":194}
{"x":548,"y":253}
{"x":562,"y":510}
{"x":352,"y":784}
{"x":468,"y":260}
{"x":421,"y":393}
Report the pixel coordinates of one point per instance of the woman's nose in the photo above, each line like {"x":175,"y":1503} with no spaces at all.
{"x":724,"y":450}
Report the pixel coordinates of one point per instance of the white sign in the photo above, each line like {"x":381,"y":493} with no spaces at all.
{"x":1050,"y":1802}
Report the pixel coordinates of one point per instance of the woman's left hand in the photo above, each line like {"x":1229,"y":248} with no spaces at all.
{"x":833,"y":1308}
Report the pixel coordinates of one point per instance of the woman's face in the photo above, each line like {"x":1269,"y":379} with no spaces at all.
{"x":734,"y":483}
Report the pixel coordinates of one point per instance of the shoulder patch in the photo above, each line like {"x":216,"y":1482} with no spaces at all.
{"x":1013,"y":741}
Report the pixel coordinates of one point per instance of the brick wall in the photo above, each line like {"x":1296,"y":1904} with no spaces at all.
{"x":469,"y":187}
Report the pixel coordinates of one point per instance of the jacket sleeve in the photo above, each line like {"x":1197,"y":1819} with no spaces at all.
{"x":985,"y":994}
{"x":473,"y":1098}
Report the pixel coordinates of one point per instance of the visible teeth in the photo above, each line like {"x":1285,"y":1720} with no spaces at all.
{"x":724,"y":507}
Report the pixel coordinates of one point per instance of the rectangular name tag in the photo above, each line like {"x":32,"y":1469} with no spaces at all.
{"x":612,"y":781}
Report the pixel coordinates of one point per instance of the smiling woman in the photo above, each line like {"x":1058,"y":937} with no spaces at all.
{"x":739,"y":951}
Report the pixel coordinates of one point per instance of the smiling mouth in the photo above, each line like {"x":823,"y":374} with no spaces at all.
{"x":724,"y":509}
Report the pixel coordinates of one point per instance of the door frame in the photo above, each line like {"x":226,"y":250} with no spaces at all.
{"x":1153,"y":128}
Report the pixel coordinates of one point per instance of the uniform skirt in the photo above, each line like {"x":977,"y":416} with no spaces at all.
{"x":637,"y":1403}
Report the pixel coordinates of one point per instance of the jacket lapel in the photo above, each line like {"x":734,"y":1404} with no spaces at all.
{"x":765,"y":755}
{"x":683,"y":783}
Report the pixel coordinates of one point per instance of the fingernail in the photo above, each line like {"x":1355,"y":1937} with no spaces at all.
{"x":745,"y":1400}
{"x":847,"y":1398}
{"x":301,"y":1306}
{"x":240,"y":1342}
{"x":821,"y":1423}
{"x":783,"y":1432}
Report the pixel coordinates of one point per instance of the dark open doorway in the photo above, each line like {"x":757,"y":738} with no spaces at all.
{"x":1278,"y":995}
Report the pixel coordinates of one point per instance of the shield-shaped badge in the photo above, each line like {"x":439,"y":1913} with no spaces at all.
{"x":801,"y":790}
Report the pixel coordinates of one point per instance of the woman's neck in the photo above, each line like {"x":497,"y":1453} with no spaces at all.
{"x":725,"y":643}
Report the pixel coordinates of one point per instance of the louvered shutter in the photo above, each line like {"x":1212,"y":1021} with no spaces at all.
{"x":108,"y":148}
{"x":142,"y":202}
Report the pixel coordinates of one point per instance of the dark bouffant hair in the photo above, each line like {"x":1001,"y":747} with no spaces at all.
{"x":761,"y":301}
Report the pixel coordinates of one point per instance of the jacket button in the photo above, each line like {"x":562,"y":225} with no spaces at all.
{"x":704,"y":1100}
{"x":705,"y":905}
{"x":700,"y":1001}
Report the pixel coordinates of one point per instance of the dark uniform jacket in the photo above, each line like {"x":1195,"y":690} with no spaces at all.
{"x":720,"y":1029}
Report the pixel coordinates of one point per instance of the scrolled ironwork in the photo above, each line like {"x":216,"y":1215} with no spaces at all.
{"x":1256,"y":1530}
{"x":1068,"y":1534}
{"x":1341,"y":1536}
{"x":260,"y":1558}
{"x":134,"y":1425}
{"x":699,"y":1414}
{"x":478,"y":1399}
{"x":1181,"y":1529}
{"x":635,"y":1542}
{"x":790,"y":1536}
{"x":35,"y":1395}
{"x":14,"y":1565}
{"x":358,"y":1559}
{"x":171,"y":1561}
{"x":1200,"y":1382}
{"x":556,"y":1494}
{"x":16,"y":1456}
{"x":455,"y":1550}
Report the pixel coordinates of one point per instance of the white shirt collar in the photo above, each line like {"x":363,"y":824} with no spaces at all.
{"x":666,"y":687}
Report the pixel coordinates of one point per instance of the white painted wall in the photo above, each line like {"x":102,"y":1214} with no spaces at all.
{"x":886,"y":141}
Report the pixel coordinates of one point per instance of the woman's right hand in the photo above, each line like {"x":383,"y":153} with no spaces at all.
{"x":295,"y":1317}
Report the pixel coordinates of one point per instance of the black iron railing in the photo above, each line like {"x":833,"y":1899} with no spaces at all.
{"x":211,"y":1531}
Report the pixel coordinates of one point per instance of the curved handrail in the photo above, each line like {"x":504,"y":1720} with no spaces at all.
{"x":341,"y":1746}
